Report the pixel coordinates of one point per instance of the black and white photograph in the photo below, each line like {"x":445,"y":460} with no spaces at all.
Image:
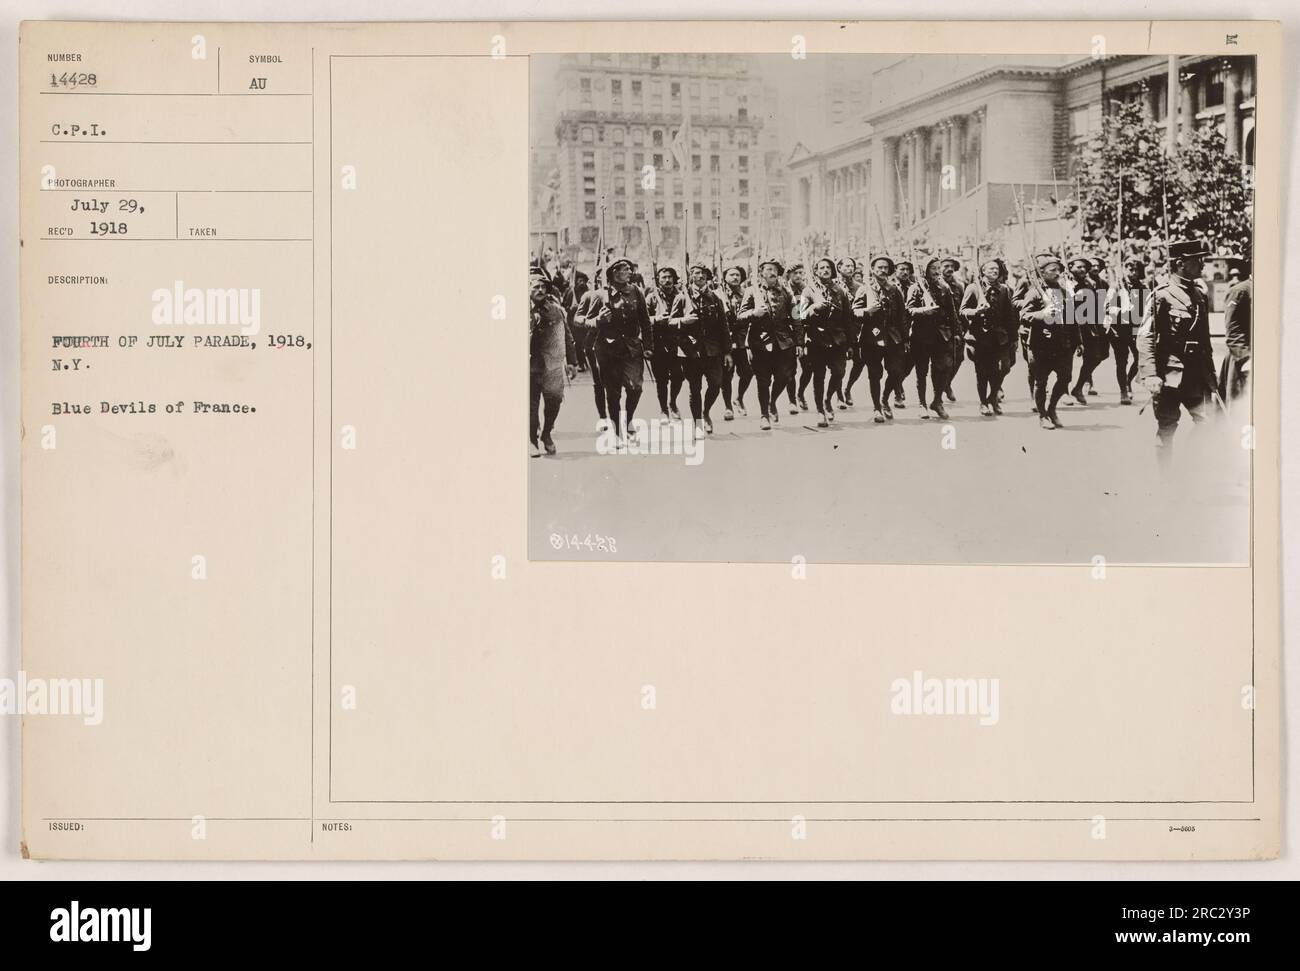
{"x":857,"y":308}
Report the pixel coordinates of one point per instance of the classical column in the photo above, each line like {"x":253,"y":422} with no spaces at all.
{"x":909,"y":185}
{"x":963,"y":144}
{"x":1187,"y":113}
{"x":1171,"y":103}
{"x":923,"y":171}
{"x":1231,"y":88}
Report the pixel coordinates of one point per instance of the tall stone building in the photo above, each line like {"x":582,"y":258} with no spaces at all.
{"x":992,"y":123}
{"x":617,"y":117}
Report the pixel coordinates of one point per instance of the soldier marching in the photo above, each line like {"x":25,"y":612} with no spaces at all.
{"x":821,"y":326}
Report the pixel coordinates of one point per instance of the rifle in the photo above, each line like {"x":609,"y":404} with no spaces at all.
{"x":1060,"y":226}
{"x":911,"y":241}
{"x":717,"y":240}
{"x":1031,"y":264}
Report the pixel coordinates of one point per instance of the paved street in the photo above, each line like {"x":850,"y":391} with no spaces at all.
{"x":1008,"y":492}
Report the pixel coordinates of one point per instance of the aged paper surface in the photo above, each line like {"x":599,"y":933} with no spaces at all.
{"x":293,"y":546}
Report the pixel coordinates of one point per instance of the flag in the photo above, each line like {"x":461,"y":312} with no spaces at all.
{"x":681,"y":144}
{"x":681,"y":147}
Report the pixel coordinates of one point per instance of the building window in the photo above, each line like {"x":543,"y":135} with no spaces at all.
{"x":590,"y":234}
{"x":744,"y":187}
{"x":715,"y":187}
{"x":1214,"y":89}
{"x":588,"y":135}
{"x":744,"y":210}
{"x":742,"y":114}
{"x":620,"y":188}
{"x":715,"y":163}
{"x":640,"y":210}
{"x":616,"y":88}
{"x":678,"y":210}
{"x":695,"y":163}
{"x":658,"y":161}
{"x":659,"y":210}
{"x":589,"y":210}
{"x":698,"y":210}
{"x":589,"y":185}
{"x":589,"y":161}
{"x":674,"y":90}
{"x":1079,"y":123}
{"x":742,"y":139}
{"x":638,"y":136}
{"x":744,"y":163}
{"x":657,"y":138}
{"x":715,"y":139}
{"x":618,"y":136}
{"x":636,"y":89}
{"x":620,"y":210}
{"x":638,"y":160}
{"x":744,"y":230}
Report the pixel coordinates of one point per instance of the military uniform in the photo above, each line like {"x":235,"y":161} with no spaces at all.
{"x":1020,"y":293}
{"x":733,"y":298}
{"x":817,"y":311}
{"x":666,"y":359}
{"x":882,"y":343}
{"x":1087,"y":304}
{"x":584,"y":337}
{"x":551,"y":348}
{"x":710,"y":337}
{"x":933,"y":313}
{"x":991,"y":327}
{"x":1124,"y":312}
{"x":1053,"y":339}
{"x":1174,"y":351}
{"x":622,"y":336}
{"x":1235,"y":373}
{"x":772,"y":336}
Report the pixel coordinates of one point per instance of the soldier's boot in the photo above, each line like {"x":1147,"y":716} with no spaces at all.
{"x":996,"y":406}
{"x":1051,"y":414}
{"x":548,"y":444}
{"x":764,"y":424}
{"x":803,"y":403}
{"x":1124,"y":397}
{"x":533,"y":450}
{"x":1045,"y":422}
{"x":821,"y":420}
{"x":878,"y":417}
{"x":728,"y":415}
{"x":938,"y":409}
{"x":986,"y":409}
{"x":886,"y":410}
{"x":708,"y":425}
{"x":947,"y":393}
{"x":900,"y":399}
{"x":829,"y":410}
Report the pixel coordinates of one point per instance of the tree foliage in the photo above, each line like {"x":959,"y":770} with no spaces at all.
{"x":1127,"y":184}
